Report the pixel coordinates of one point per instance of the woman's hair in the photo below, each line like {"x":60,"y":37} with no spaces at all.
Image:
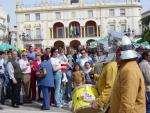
{"x":76,"y":64}
{"x":44,"y":57}
{"x":86,"y":63}
{"x":53,"y":50}
{"x":145,"y":54}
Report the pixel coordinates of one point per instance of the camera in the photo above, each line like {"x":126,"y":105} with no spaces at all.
{"x":91,"y":75}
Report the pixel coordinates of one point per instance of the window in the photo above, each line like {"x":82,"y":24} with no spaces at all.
{"x":123,"y":28}
{"x":73,"y":14}
{"x":28,"y":34}
{"x":90,"y":31}
{"x":38,"y":33}
{"x":27,"y":17}
{"x":37,"y":16}
{"x":112,"y":27}
{"x":38,"y":45}
{"x":28,"y":31}
{"x":74,"y":1}
{"x":60,"y":32}
{"x":58,"y":15}
{"x":111,"y":12}
{"x":90,"y":13}
{"x":122,"y":12}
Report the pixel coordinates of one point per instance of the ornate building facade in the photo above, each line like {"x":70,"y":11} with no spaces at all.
{"x":3,"y":25}
{"x":74,"y":22}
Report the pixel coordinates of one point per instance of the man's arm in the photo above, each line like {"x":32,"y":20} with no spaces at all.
{"x":10,"y":69}
{"x":110,"y":76}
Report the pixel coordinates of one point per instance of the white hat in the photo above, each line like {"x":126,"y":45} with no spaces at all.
{"x":127,"y":50}
{"x":129,"y":54}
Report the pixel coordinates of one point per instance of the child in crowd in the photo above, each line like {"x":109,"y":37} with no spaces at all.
{"x":78,"y":76}
{"x":87,"y":70}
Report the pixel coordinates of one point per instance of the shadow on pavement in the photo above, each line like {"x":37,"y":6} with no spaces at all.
{"x":1,"y":108}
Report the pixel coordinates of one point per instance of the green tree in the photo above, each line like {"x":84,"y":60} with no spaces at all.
{"x":146,"y":30}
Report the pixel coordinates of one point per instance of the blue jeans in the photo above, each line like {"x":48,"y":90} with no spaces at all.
{"x":69,"y":85}
{"x":148,"y":102}
{"x":46,"y":97}
{"x":58,"y":89}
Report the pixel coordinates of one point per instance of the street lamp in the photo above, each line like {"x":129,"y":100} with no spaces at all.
{"x":8,"y":30}
{"x":24,"y":36}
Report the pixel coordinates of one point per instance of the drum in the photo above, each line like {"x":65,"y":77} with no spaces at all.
{"x":82,"y":97}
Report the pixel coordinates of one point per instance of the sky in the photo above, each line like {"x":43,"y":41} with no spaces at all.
{"x":10,"y":6}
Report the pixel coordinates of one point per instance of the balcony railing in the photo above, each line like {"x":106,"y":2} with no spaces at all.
{"x":61,"y":3}
{"x":31,"y":39}
{"x":3,"y":27}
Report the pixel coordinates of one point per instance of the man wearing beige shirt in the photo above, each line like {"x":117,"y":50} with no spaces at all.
{"x":26,"y":75}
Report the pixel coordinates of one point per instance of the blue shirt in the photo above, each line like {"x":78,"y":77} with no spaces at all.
{"x":82,"y":61}
{"x":48,"y":80}
{"x":31,"y":55}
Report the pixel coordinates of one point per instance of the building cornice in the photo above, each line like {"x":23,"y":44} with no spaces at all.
{"x":97,"y":6}
{"x":75,"y":19}
{"x":146,"y":14}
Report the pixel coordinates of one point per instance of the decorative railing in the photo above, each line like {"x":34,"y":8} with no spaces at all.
{"x":31,"y":39}
{"x":61,"y":3}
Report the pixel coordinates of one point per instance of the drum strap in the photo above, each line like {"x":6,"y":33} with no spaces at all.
{"x":105,"y":109}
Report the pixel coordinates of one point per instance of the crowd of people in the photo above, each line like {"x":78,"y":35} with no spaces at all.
{"x":51,"y":75}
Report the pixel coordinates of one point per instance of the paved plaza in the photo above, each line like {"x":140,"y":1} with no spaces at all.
{"x":31,"y":108}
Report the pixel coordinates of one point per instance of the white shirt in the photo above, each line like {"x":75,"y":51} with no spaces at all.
{"x":2,"y":69}
{"x":56,"y":62}
{"x":63,"y":59}
{"x":10,"y":70}
{"x":145,"y":68}
{"x":25,"y":66}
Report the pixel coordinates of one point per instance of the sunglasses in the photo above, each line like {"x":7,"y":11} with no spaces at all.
{"x":83,"y":53}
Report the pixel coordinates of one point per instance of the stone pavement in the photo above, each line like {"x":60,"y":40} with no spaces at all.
{"x":31,"y":108}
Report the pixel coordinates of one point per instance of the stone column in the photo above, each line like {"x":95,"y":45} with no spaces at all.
{"x":100,"y":30}
{"x":68,"y":33}
{"x":81,"y":32}
{"x":84,"y":32}
{"x":52,"y":32}
{"x":97,"y":31}
{"x":65,"y":32}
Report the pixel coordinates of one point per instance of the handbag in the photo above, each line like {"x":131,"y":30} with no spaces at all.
{"x":41,"y":74}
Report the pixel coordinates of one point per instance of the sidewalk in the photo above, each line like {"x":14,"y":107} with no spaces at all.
{"x":31,"y":108}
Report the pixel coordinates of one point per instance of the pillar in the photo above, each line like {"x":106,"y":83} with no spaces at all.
{"x":52,"y":32}
{"x":68,"y":32}
{"x":84,"y":32}
{"x":65,"y":32}
{"x":97,"y":31}
{"x":100,"y":31}
{"x":81,"y":34}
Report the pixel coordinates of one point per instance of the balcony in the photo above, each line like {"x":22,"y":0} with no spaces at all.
{"x":35,"y":39}
{"x":62,"y":4}
{"x":2,"y":26}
